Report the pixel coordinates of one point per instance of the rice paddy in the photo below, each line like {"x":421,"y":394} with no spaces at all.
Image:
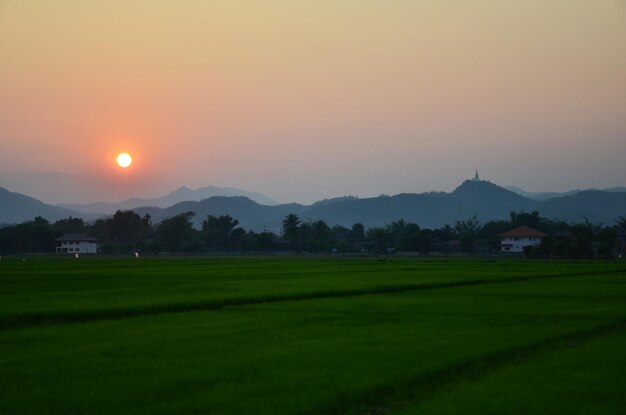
{"x":272,"y":335}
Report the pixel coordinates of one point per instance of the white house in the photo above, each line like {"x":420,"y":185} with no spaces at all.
{"x":77,"y":243}
{"x":516,"y":239}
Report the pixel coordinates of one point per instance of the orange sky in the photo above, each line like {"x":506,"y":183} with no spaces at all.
{"x":303,"y":100}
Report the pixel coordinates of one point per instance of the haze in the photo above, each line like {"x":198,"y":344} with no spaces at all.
{"x":303,"y":100}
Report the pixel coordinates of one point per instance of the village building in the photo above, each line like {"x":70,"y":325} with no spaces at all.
{"x":76,"y":243}
{"x":515,"y":240}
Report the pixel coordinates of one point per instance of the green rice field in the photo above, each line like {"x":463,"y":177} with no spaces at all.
{"x":311,"y":335}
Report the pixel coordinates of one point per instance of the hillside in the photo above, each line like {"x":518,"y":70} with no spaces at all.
{"x":595,"y":205}
{"x":17,"y":208}
{"x":182,"y":194}
{"x":482,"y":199}
{"x":552,"y":195}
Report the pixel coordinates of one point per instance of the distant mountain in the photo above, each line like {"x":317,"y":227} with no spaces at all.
{"x":482,"y":199}
{"x":181,"y":194}
{"x":17,"y":208}
{"x":552,"y":195}
{"x":251,"y":215}
{"x":596,"y":205}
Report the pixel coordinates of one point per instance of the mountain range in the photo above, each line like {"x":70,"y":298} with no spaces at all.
{"x":181,"y":194}
{"x":482,"y":199}
{"x":552,"y":195}
{"x":16,"y":208}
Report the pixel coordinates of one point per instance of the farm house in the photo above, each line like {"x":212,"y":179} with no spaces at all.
{"x":76,"y":243}
{"x":516,"y":239}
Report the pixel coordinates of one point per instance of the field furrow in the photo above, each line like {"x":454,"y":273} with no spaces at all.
{"x":279,"y":336}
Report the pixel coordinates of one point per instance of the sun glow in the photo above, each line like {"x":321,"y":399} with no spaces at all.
{"x":124,"y":160}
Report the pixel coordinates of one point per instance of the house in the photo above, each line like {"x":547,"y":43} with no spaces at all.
{"x":516,"y":239}
{"x":76,"y":243}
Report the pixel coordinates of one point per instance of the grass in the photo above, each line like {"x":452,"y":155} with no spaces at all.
{"x":310,"y":336}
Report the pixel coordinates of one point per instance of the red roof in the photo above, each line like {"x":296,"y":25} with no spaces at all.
{"x":523,"y":231}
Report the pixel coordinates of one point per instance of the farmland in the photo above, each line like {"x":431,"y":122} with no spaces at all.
{"x":271,"y":335}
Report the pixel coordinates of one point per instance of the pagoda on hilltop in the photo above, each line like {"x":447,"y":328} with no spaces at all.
{"x":476,"y":177}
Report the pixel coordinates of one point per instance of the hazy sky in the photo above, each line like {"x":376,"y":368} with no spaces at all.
{"x":303,"y":100}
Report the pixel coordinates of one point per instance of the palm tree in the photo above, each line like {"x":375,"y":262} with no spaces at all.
{"x":291,"y":224}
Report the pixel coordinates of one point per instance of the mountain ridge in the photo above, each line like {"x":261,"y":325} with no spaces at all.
{"x":551,"y":195}
{"x":17,"y":207}
{"x":483,"y":199}
{"x":181,"y":194}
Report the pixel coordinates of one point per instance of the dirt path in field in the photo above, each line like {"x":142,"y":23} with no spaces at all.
{"x":26,"y":320}
{"x":395,"y":397}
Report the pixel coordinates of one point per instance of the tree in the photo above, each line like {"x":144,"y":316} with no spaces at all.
{"x":467,"y":231}
{"x":128,"y":230}
{"x":69,"y":225}
{"x":177,"y":232}
{"x":217,"y":232}
{"x":531,"y":219}
{"x":357,"y":232}
{"x":316,"y":236}
{"x":379,"y":238}
{"x":606,"y":240}
{"x":397,"y":230}
{"x":31,"y":236}
{"x":582,"y":240}
{"x":291,"y":225}
{"x":263,"y":241}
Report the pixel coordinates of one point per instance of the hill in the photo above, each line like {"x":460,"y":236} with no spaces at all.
{"x":250,"y":214}
{"x":181,"y":194}
{"x":552,"y":195}
{"x":595,"y":205}
{"x":482,"y":199}
{"x":17,"y":208}
{"x":434,"y":209}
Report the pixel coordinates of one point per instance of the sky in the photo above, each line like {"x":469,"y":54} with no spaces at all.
{"x":304,"y":100}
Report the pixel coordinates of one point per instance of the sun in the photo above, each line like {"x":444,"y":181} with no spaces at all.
{"x":124,"y":160}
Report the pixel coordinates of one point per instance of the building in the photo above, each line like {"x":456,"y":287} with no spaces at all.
{"x":516,"y":239}
{"x":476,"y":177}
{"x":76,"y":243}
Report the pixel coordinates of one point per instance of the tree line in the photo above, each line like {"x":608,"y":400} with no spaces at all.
{"x":126,"y":232}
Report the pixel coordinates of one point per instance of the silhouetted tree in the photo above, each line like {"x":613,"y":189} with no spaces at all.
{"x":606,"y":241}
{"x":217,"y":232}
{"x":582,"y":240}
{"x":531,"y":219}
{"x":69,"y":225}
{"x":177,"y":233}
{"x":467,"y":231}
{"x":290,"y":229}
{"x":127,"y":230}
{"x":262,"y":241}
{"x":379,"y":238}
{"x":316,"y":236}
{"x":357,"y":232}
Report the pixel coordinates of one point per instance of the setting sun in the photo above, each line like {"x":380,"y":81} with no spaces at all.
{"x":124,"y":160}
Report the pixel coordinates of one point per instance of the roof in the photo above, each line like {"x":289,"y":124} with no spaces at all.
{"x":523,"y":231}
{"x":76,"y":237}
